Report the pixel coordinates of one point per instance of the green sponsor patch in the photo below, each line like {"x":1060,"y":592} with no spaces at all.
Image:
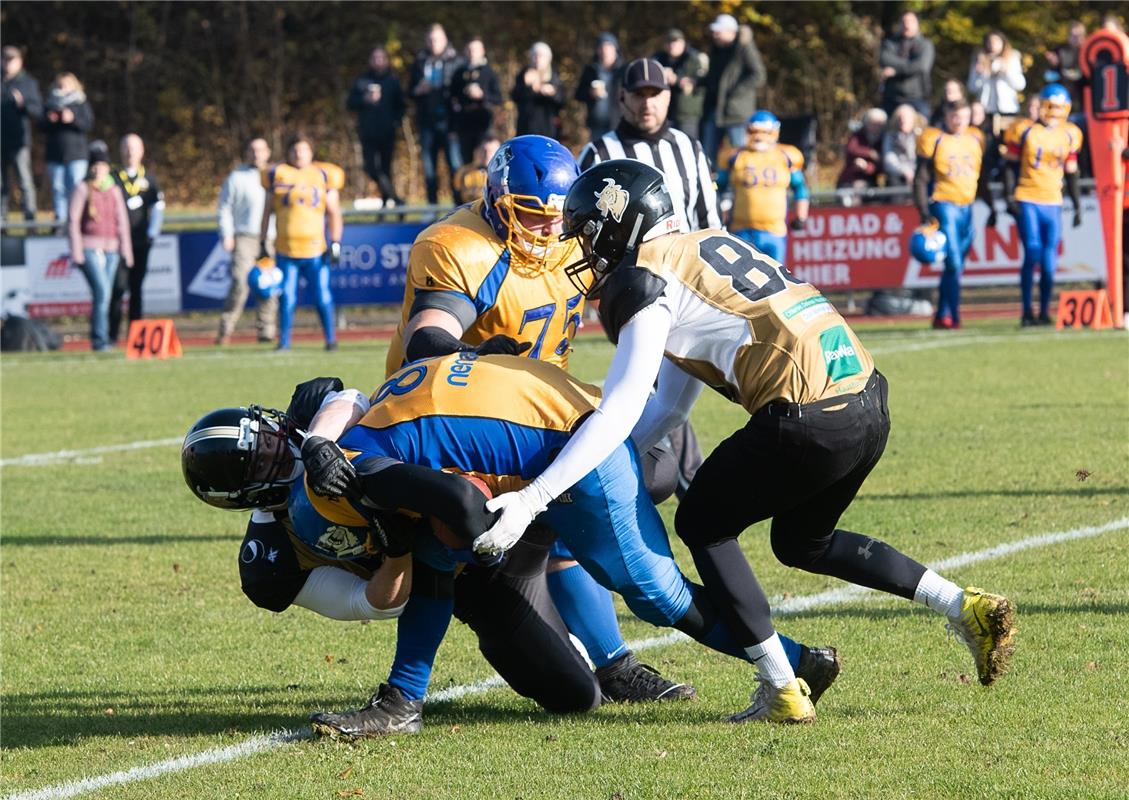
{"x":839,"y":353}
{"x":804,"y":305}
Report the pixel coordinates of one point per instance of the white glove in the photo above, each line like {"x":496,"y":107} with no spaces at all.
{"x":517,"y":513}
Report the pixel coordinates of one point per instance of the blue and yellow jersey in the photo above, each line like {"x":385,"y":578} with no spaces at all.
{"x":500,"y":418}
{"x":956,"y":163}
{"x":1042,"y":153}
{"x":760,"y":182}
{"x":298,"y":199}
{"x":462,"y":255}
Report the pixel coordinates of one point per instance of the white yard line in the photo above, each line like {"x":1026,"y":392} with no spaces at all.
{"x":795,"y":605}
{"x":926,"y":341}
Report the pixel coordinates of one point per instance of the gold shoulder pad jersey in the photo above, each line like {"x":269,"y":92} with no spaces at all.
{"x":1042,"y":153}
{"x":500,"y":418}
{"x":462,"y":256}
{"x":741,"y":322}
{"x":298,"y":198}
{"x":760,"y":182}
{"x":956,"y":164}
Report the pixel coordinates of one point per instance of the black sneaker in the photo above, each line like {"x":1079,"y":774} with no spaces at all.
{"x":819,"y":667}
{"x":385,"y":713}
{"x":625,"y":680}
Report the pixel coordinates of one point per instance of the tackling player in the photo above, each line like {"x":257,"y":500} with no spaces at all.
{"x":490,"y":277}
{"x":946,"y":184}
{"x":727,"y":316}
{"x":302,"y":194}
{"x":1043,"y":150}
{"x":501,"y":419}
{"x":759,"y":177}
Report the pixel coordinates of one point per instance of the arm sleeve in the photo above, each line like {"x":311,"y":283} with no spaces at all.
{"x":157,"y":215}
{"x":583,"y":92}
{"x":799,"y":186}
{"x":631,"y":375}
{"x":888,"y":56}
{"x":339,"y":594}
{"x":668,"y":407}
{"x":225,"y":217}
{"x":706,"y":208}
{"x":1073,"y":188}
{"x":390,"y":484}
{"x":83,"y":117}
{"x":432,"y":341}
{"x":353,"y":100}
{"x":922,"y":61}
{"x":921,"y":185}
{"x":33,"y":101}
{"x":1014,"y":73}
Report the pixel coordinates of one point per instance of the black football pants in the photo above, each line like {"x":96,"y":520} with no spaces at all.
{"x":801,"y":466}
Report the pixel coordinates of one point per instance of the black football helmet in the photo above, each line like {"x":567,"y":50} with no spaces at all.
{"x":242,"y":458}
{"x":613,"y":208}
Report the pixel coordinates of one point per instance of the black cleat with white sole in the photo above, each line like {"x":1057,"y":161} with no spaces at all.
{"x":387,"y":712}
{"x":625,"y":680}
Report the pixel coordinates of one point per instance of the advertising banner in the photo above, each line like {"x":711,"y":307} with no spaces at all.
{"x":867,"y":247}
{"x":55,"y":287}
{"x":374,"y":262}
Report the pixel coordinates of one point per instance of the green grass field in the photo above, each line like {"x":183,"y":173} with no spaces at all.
{"x":127,"y":643}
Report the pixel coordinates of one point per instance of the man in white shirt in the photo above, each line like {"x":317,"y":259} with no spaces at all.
{"x":240,"y":216}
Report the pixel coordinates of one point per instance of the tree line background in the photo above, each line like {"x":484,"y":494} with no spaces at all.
{"x":197,"y":80}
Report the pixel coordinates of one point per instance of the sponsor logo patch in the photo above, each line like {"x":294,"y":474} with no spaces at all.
{"x":342,"y":541}
{"x":839,"y":353}
{"x":809,"y":309}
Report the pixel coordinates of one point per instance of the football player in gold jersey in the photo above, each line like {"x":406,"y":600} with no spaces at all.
{"x":760,"y":175}
{"x":1044,"y":150}
{"x":303,"y":194}
{"x":705,"y":308}
{"x":946,"y":184}
{"x":489,"y":277}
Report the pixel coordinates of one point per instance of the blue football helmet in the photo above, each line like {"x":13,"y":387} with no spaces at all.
{"x":265,"y":280}
{"x":531,"y":175}
{"x":927,"y":244}
{"x":763,"y":128}
{"x":1054,"y":104}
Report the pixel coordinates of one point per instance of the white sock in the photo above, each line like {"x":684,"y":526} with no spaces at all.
{"x":771,"y":661}
{"x":939,"y":594}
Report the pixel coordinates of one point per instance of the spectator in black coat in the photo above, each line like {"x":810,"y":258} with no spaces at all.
{"x":599,"y":86}
{"x":539,"y":95}
{"x":430,"y":81}
{"x":1065,"y":67}
{"x":736,"y":71}
{"x":378,"y":100}
{"x":20,"y":103}
{"x":67,"y":119}
{"x":685,"y":70}
{"x":906,"y":59}
{"x":476,"y":95}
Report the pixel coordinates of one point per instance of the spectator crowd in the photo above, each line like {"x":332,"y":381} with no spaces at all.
{"x":680,"y":100}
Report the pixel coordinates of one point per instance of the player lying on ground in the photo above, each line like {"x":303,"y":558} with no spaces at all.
{"x":725,"y":315}
{"x":363,"y":560}
{"x":502,"y":419}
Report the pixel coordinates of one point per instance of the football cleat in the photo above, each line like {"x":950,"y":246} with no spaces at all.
{"x":625,"y":680}
{"x":784,"y":704}
{"x":819,"y":667}
{"x":987,"y":626}
{"x":387,"y":712}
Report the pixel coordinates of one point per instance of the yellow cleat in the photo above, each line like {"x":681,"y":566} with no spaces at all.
{"x":987,"y":625}
{"x":787,"y":705}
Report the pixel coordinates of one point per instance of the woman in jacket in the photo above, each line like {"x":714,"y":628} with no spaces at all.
{"x":67,"y":119}
{"x":539,"y":95}
{"x":996,"y":79}
{"x":98,"y":225}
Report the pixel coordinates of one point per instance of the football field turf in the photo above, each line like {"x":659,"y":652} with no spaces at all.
{"x":133,"y":667}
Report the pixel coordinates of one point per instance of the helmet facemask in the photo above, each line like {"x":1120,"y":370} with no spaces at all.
{"x":526,"y":245}
{"x":763,"y":137}
{"x":1053,"y":111}
{"x":587,"y":274}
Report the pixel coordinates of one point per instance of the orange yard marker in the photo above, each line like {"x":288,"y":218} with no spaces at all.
{"x":152,"y":338}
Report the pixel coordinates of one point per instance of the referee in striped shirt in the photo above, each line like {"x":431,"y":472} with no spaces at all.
{"x":644,"y":135}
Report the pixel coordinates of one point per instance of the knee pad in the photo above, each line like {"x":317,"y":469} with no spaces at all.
{"x":269,"y":572}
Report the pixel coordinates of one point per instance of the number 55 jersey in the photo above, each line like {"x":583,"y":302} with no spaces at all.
{"x":741,"y":323}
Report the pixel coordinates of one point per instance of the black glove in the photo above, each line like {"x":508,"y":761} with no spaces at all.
{"x":333,"y":254}
{"x":263,"y":252}
{"x":1013,"y":208}
{"x":394,"y":534}
{"x":328,"y":472}
{"x":1077,"y":217}
{"x":307,"y":399}
{"x":991,"y":221}
{"x":798,"y":223}
{"x":502,"y":345}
